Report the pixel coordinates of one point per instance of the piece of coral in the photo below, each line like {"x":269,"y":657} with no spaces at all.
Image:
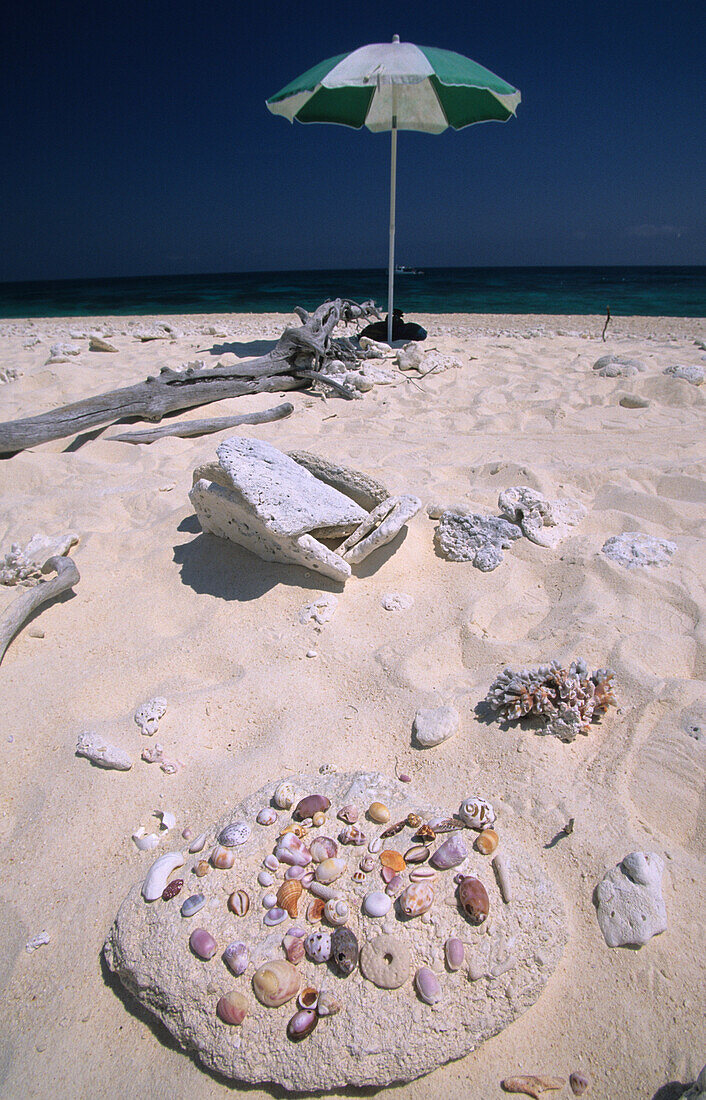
{"x":568,"y":698}
{"x":475,"y":538}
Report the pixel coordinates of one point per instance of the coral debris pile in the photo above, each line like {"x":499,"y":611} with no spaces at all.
{"x":567,"y":697}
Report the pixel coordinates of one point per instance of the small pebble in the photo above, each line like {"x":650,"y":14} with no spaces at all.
{"x":404,"y":778}
{"x":311,"y":653}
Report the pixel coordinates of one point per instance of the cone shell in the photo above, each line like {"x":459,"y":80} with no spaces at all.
{"x":486,"y":842}
{"x":418,"y":898}
{"x":288,"y":896}
{"x":275,"y":983}
{"x":473,"y":899}
{"x":394,"y":860}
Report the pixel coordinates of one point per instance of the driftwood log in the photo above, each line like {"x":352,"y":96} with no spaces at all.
{"x":67,"y":575}
{"x":298,"y":356}
{"x":187,"y":428}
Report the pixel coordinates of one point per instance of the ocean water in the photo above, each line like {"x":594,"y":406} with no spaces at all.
{"x":628,"y":291}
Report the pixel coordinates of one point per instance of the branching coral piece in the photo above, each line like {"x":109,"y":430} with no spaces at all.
{"x":568,"y":698}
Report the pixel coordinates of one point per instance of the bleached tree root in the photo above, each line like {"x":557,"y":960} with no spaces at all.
{"x":187,"y":428}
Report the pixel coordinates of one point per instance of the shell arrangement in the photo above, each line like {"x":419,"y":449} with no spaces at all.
{"x":569,"y":698}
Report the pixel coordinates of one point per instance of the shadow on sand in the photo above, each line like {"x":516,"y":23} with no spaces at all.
{"x":247,"y":350}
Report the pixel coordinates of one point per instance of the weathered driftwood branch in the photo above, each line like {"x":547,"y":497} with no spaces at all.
{"x":67,"y":575}
{"x":297,"y":351}
{"x":187,"y":428}
{"x":607,"y":320}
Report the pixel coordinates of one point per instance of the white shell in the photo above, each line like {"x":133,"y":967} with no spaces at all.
{"x":265,"y":878}
{"x":336,"y":911}
{"x":476,"y":813}
{"x":375,"y":845}
{"x":330,"y":869}
{"x":145,"y":843}
{"x":318,"y":946}
{"x":271,"y":863}
{"x":159,"y":872}
{"x":266,"y":816}
{"x":269,"y":901}
{"x":376,"y":904}
{"x":168,"y":819}
{"x":199,"y":844}
{"x":284,"y":795}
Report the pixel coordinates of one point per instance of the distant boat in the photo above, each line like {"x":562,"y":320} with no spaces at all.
{"x":402,"y":270}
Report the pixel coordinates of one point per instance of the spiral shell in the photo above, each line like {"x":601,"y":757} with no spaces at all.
{"x":288,"y":896}
{"x":351,"y":834}
{"x":336,"y":911}
{"x":284,"y":795}
{"x":275,"y":983}
{"x":476,"y":813}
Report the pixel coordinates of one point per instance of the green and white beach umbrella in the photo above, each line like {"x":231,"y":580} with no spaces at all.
{"x":397,"y":86}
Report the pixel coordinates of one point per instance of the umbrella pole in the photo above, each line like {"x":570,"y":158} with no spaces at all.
{"x":393,"y":188}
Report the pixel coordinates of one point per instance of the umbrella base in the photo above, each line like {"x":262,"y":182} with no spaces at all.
{"x":401,"y":330}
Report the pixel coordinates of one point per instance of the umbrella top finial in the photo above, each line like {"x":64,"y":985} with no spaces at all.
{"x":395,"y":38}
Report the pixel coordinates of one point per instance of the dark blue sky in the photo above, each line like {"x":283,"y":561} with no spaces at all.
{"x":135,"y":139}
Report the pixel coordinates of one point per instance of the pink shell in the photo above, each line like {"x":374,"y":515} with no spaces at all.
{"x":454,"y":952}
{"x":202,"y":944}
{"x":427,"y":985}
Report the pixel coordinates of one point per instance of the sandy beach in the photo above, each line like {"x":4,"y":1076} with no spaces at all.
{"x":164,"y":610}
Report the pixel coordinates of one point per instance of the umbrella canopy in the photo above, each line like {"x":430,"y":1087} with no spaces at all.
{"x":397,"y":86}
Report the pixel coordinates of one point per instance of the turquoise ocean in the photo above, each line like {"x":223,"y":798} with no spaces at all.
{"x":640,"y":291}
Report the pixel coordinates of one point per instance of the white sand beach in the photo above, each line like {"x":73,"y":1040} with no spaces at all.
{"x":163,"y":610}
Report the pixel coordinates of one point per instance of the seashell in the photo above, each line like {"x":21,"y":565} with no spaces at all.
{"x":367,"y":864}
{"x":344,"y":951}
{"x":393,"y":830}
{"x":422,"y":874}
{"x":419,"y":853}
{"x":393,"y":859}
{"x":532,"y":1086}
{"x":385,"y":961}
{"x":265,"y":878}
{"x":425,"y":834}
{"x":168,"y":819}
{"x":293,"y":827}
{"x":351,"y":834}
{"x":284,"y":795}
{"x":376,"y":904}
{"x":234,"y":834}
{"x":302,"y":1024}
{"x":404,"y":778}
{"x":236,"y":957}
{"x":288,"y":896}
{"x":454,"y":952}
{"x":427,"y":985}
{"x":232,"y":1008}
{"x":158,"y":874}
{"x":445,"y":825}
{"x":379,"y":813}
{"x":323,"y":847}
{"x":318,"y":946}
{"x":271,"y":863}
{"x":222,"y":858}
{"x":313,"y":803}
{"x":267,"y":816}
{"x":199,"y":844}
{"x":239,"y":902}
{"x":486,"y":842}
{"x":321,"y":890}
{"x":387,"y":874}
{"x":503,"y":876}
{"x":145,"y":843}
{"x":330,"y":869}
{"x":293,"y":949}
{"x":578,"y":1083}
{"x":172,"y":889}
{"x":307,"y":879}
{"x":292,"y":850}
{"x":275,"y":983}
{"x":202,"y":944}
{"x":202,"y":868}
{"x":328,"y":1004}
{"x":394,"y":886}
{"x":315,"y":910}
{"x":358,"y":876}
{"x":274,"y":916}
{"x":187,"y":833}
{"x":336,"y":911}
{"x":473,"y":899}
{"x":414,"y":821}
{"x":476,"y":813}
{"x":318,"y":819}
{"x":306,"y":824}
{"x":348,"y":813}
{"x":416,"y":899}
{"x":451,"y":853}
{"x":192,"y":905}
{"x":294,"y":872}
{"x":308,"y":997}
{"x":375,"y":845}
{"x":269,"y":900}
{"x":296,"y":930}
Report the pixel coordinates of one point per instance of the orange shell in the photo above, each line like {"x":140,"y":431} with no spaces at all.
{"x":487,"y":842}
{"x":315,"y":910}
{"x":393,"y":859}
{"x":288,"y":896}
